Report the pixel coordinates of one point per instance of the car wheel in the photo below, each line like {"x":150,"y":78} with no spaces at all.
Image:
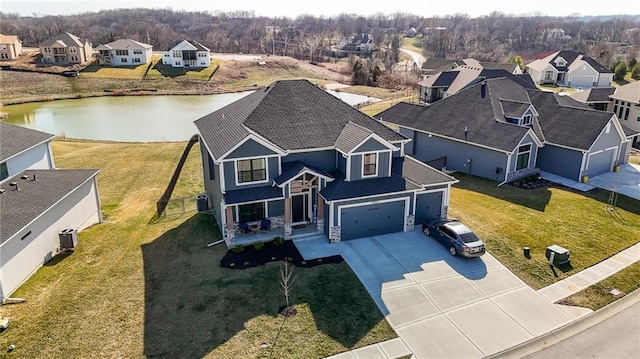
{"x":425,"y":230}
{"x":453,"y":251}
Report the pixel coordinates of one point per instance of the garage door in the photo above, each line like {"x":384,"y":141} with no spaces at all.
{"x":371,"y":220}
{"x":428,"y":206}
{"x":582,"y":81}
{"x":600,"y":163}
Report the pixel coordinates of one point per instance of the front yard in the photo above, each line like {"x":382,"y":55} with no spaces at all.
{"x":137,"y":287}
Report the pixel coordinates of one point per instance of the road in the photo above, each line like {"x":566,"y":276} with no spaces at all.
{"x":418,"y":59}
{"x":616,"y":337}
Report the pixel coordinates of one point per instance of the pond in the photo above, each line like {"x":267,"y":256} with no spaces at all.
{"x":129,"y":118}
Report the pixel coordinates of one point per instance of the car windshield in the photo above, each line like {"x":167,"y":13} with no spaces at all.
{"x":469,"y":237}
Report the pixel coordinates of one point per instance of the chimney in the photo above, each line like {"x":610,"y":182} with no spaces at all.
{"x":466,"y":131}
{"x":483,"y":89}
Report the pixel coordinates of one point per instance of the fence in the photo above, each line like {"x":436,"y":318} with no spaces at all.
{"x":179,"y":206}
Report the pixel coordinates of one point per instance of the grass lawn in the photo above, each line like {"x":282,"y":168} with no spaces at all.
{"x":377,"y":107}
{"x":412,"y":44}
{"x":158,"y":70}
{"x":137,"y":287}
{"x":510,"y":218}
{"x":556,"y":89}
{"x":129,"y":72}
{"x":370,"y":91}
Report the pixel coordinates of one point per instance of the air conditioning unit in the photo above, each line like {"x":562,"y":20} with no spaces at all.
{"x":557,"y":255}
{"x":68,"y":238}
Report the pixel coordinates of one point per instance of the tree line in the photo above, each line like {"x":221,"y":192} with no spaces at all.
{"x":494,"y":37}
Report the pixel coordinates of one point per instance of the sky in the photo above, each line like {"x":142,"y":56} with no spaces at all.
{"x":288,"y":8}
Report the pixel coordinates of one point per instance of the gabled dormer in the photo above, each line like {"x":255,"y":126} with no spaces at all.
{"x":362,"y":154}
{"x":518,"y":113}
{"x":560,"y":62}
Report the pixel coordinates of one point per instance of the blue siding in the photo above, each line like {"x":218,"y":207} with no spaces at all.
{"x":560,"y":161}
{"x":370,"y":145}
{"x":356,"y":167}
{"x":383,"y":165}
{"x":250,"y":148}
{"x":324,"y":160}
{"x":408,"y":147}
{"x":276,"y":208}
{"x":230,"y":176}
{"x":342,"y":164}
{"x":212,"y":186}
{"x":607,"y":140}
{"x":483,"y":161}
{"x":428,"y":206}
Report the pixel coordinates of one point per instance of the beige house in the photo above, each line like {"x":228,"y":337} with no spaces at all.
{"x":10,"y":47}
{"x":124,"y":52}
{"x":65,"y":48}
{"x":570,"y":68}
{"x":625,"y":103}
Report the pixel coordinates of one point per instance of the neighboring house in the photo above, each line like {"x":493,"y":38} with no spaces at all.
{"x":363,"y":42}
{"x":411,"y":33}
{"x":10,"y":47}
{"x":447,"y":83}
{"x":295,"y":154}
{"x":187,"y":53}
{"x":65,"y":49}
{"x":499,"y":130}
{"x":124,"y":52}
{"x":570,"y":68}
{"x":38,"y":201}
{"x":624,"y":101}
{"x":434,"y":66}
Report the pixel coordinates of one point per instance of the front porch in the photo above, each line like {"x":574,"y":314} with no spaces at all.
{"x":298,"y":232}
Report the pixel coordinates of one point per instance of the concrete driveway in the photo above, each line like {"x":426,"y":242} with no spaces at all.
{"x":443,"y":306}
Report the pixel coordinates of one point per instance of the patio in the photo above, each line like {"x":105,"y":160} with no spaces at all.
{"x":310,"y":230}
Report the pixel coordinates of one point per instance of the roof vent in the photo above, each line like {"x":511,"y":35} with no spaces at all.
{"x":466,"y":132}
{"x":1,"y":190}
{"x":24,"y":177}
{"x":34,"y":178}
{"x":14,"y":184}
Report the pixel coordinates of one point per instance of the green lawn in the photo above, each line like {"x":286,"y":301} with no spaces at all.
{"x":138,"y":287}
{"x":556,"y":89}
{"x":129,"y":72}
{"x":158,"y":70}
{"x":510,"y":218}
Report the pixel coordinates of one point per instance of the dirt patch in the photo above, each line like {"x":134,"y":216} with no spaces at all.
{"x":271,"y":252}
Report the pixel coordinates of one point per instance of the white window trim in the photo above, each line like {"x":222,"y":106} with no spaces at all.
{"x":362,"y":175}
{"x":266,"y":164}
{"x":524,"y":119}
{"x":237,"y":209}
{"x":518,"y":153}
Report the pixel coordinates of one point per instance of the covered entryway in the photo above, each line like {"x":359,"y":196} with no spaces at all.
{"x":428,"y":206}
{"x":358,"y":221}
{"x":299,"y":208}
{"x":601,"y":162}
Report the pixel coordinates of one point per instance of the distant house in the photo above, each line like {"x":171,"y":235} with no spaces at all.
{"x":412,"y":32}
{"x":435,"y":65}
{"x":499,"y":130}
{"x":38,"y":202}
{"x":449,"y":82}
{"x":363,"y":42}
{"x":302,"y":159}
{"x":570,"y":68}
{"x":65,"y":49}
{"x":187,"y":53}
{"x":624,"y":101}
{"x":10,"y":47}
{"x":124,"y":52}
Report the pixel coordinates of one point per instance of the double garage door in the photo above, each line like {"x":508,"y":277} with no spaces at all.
{"x":372,"y":219}
{"x":584,"y":81}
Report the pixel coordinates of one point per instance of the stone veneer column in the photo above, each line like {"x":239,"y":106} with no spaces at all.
{"x":231,"y":235}
{"x":409,"y":223}
{"x":334,"y":234}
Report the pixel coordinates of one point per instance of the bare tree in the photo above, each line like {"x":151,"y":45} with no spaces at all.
{"x":286,"y":281}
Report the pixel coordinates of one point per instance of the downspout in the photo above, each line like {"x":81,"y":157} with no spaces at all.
{"x":506,"y":171}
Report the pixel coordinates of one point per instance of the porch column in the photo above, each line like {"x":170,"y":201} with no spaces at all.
{"x":320,"y":213}
{"x":229,"y":228}
{"x":287,"y":218}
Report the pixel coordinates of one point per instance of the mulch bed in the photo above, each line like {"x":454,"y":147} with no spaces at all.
{"x":271,"y":252}
{"x":538,"y":183}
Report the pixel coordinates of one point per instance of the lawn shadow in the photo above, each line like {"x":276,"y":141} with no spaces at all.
{"x":621,"y":201}
{"x":193,"y":305}
{"x":58,"y":258}
{"x":536,"y":198}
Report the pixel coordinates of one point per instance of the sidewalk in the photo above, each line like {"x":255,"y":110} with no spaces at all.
{"x":591,"y":275}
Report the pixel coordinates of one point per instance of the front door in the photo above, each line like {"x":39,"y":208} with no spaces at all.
{"x":299,"y":208}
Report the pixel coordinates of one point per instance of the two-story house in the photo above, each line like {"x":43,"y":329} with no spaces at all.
{"x":187,"y":53}
{"x":499,"y":130}
{"x":571,"y":69}
{"x":124,"y":52}
{"x":10,"y":47}
{"x":37,"y":202}
{"x":298,"y":156}
{"x":64,"y":49}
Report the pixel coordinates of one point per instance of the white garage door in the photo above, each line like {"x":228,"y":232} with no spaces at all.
{"x":582,"y":81}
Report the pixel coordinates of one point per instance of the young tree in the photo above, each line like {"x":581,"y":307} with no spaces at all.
{"x":286,"y":281}
{"x":635,"y":72}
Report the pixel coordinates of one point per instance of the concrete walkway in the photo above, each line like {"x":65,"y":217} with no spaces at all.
{"x":587,"y":277}
{"x":626,"y":182}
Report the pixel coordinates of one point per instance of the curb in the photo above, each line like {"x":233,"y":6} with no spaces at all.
{"x":555,"y":336}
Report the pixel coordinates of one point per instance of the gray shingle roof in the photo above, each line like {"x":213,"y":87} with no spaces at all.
{"x":291,"y":114}
{"x":65,"y":38}
{"x":293,"y":169}
{"x":15,"y":139}
{"x":629,"y":92}
{"x":629,"y":132}
{"x":419,"y":173}
{"x":514,"y":109}
{"x":482,"y":116}
{"x":197,"y":45}
{"x":562,"y":124}
{"x":252,"y":194}
{"x":351,"y":136}
{"x":594,"y":95}
{"x":596,"y":65}
{"x":20,"y":207}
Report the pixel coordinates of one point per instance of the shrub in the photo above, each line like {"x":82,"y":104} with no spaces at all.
{"x":258,"y":246}
{"x":237,"y":249}
{"x":278,"y":241}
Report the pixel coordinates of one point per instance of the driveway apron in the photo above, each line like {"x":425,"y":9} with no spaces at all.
{"x":444,"y":306}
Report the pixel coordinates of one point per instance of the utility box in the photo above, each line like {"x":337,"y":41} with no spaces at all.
{"x":202,"y":202}
{"x":557,"y":255}
{"x":68,"y":238}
